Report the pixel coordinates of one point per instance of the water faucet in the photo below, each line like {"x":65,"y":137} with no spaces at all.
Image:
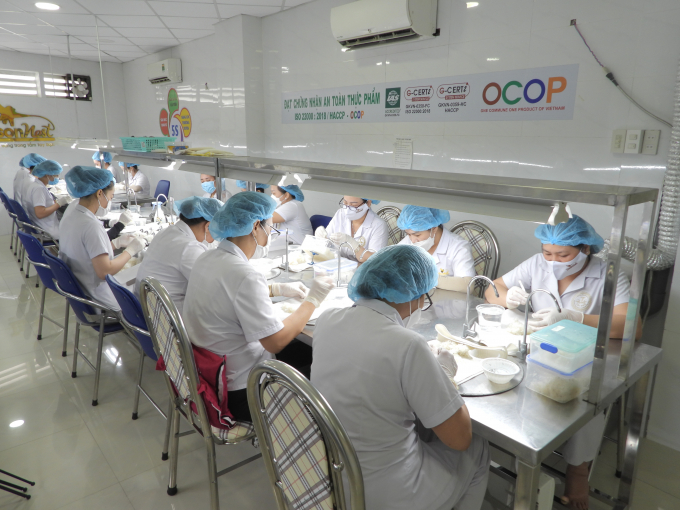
{"x":134,"y":194}
{"x":287,"y":267}
{"x":466,"y":326}
{"x":523,"y":344}
{"x":158,"y":205}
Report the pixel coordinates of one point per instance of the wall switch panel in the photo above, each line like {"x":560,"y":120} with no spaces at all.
{"x":650,"y":142}
{"x":633,"y":144}
{"x":618,"y":140}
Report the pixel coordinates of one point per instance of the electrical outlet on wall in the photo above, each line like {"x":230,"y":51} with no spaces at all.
{"x":633,"y":141}
{"x":618,"y":140}
{"x":650,"y":141}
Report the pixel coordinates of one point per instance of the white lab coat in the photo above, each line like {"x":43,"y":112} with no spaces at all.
{"x":170,"y":258}
{"x":377,"y":376}
{"x":584,"y":295}
{"x":23,"y":189}
{"x":227,"y":310}
{"x":140,"y":180}
{"x":82,"y":238}
{"x":374,"y":229}
{"x":117,"y":171}
{"x":21,"y":175}
{"x":37,"y":194}
{"x":453,"y":255}
{"x":225,"y":195}
{"x":296,"y":220}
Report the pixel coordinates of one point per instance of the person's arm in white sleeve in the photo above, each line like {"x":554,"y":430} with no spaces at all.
{"x":509,"y":282}
{"x":620,"y":311}
{"x":284,"y":213}
{"x":41,"y":208}
{"x":376,"y":242}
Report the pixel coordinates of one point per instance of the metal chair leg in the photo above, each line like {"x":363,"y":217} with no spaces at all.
{"x":11,"y":237}
{"x":66,"y":318}
{"x":20,"y":258}
{"x":42,"y":312}
{"x":168,"y":429}
{"x":28,"y":267}
{"x":623,"y":432}
{"x":174,"y":452}
{"x":16,"y":241}
{"x":75,"y":351}
{"x":98,"y":366}
{"x":140,"y":371}
{"x":212,"y":473}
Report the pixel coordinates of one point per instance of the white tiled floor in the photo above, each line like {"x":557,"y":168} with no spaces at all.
{"x":85,"y":457}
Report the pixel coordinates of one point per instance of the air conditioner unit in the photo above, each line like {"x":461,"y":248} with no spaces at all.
{"x":165,"y":71}
{"x":370,"y":22}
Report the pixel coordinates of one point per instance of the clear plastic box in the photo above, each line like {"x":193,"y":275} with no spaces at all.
{"x":330,"y":268}
{"x":565,"y":346}
{"x":559,"y":386}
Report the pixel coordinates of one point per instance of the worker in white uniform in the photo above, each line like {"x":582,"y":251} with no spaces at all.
{"x":173,"y":252}
{"x":259,"y":187}
{"x":38,"y":201}
{"x":566,"y":267}
{"x":381,"y":381}
{"x":27,"y":163}
{"x":103,"y":160}
{"x":290,"y":213}
{"x":424,"y":227}
{"x":137,"y":181}
{"x":210,"y":190}
{"x":84,"y":245}
{"x":227,"y":308}
{"x":356,"y":224}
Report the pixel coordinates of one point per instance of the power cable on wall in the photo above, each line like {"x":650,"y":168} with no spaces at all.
{"x":610,"y":77}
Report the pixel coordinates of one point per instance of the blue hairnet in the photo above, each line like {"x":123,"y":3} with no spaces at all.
{"x":376,"y":202}
{"x":418,"y":218}
{"x":295,"y":191}
{"x":31,"y":159}
{"x":198,"y":207}
{"x":258,"y":185}
{"x":397,"y":274}
{"x":82,"y":181}
{"x":131,"y":164}
{"x":237,"y":216}
{"x":103,"y":156}
{"x":574,"y":232}
{"x":47,"y":167}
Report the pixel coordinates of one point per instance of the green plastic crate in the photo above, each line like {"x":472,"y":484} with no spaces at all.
{"x":144,"y":143}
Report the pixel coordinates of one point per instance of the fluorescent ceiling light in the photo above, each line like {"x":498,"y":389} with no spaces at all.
{"x":492,"y":59}
{"x":47,"y":6}
{"x":470,"y":5}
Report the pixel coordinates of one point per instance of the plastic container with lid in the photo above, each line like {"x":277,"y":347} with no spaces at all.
{"x":330,"y":268}
{"x":559,"y":386}
{"x":564,"y":346}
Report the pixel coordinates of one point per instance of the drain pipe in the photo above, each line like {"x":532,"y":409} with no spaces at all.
{"x":668,"y":228}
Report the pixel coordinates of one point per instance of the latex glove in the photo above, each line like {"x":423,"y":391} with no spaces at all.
{"x":123,"y":241}
{"x":515,"y":297}
{"x":294,"y":290}
{"x":549,"y":316}
{"x":321,"y":232}
{"x":135,"y":246}
{"x":63,"y":200}
{"x":338,"y":238}
{"x":448,"y":363}
{"x":126,"y":218}
{"x":319,"y":289}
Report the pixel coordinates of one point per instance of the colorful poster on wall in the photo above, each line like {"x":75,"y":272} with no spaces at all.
{"x":173,"y":121}
{"x":544,"y":93}
{"x":22,"y":130}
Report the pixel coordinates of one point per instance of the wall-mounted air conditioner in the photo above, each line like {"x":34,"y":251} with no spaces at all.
{"x":369,"y":22}
{"x":165,"y":71}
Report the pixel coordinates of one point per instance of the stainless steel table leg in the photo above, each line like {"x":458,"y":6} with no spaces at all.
{"x":638,"y":403}
{"x":526,"y":489}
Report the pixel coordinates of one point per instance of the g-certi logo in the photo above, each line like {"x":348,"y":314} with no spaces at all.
{"x":393,"y":97}
{"x":532,"y":91}
{"x":423,"y":93}
{"x":453,"y":91}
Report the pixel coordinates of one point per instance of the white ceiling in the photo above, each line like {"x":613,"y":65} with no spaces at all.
{"x":128,"y":29}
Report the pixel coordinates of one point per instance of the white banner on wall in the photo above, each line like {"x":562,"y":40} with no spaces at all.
{"x":544,"y":93}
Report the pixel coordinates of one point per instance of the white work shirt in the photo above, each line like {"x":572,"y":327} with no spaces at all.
{"x":23,"y":189}
{"x":170,"y":258}
{"x":377,"y":376}
{"x":296,"y":219}
{"x":37,"y":194}
{"x":21,"y":175}
{"x":225,"y":195}
{"x":453,"y":254}
{"x":374,"y":229}
{"x":227,"y":310}
{"x":82,"y":238}
{"x":117,"y":171}
{"x":140,"y":180}
{"x":584,"y":294}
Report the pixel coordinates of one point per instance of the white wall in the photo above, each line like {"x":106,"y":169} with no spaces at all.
{"x":90,"y":114}
{"x":639,"y":41}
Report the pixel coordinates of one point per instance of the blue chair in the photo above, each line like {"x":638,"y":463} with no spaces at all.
{"x":34,"y":250}
{"x":26,"y":224}
{"x":8,"y":206}
{"x":162,"y":188}
{"x":319,"y":220}
{"x":67,"y":285}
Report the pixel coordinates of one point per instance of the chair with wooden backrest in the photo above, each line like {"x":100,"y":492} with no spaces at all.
{"x":391,"y":214}
{"x":306,"y":448}
{"x":485,"y":250}
{"x":171,"y":341}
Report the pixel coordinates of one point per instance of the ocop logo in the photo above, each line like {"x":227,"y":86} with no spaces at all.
{"x":535,"y":88}
{"x":359,"y":114}
{"x":393,"y":97}
{"x":453,"y":91}
{"x":423,"y":93}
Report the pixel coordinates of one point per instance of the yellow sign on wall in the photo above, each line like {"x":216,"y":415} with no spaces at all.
{"x":16,"y":130}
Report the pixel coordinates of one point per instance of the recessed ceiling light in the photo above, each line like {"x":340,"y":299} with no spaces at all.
{"x":470,"y":5}
{"x":17,"y":423}
{"x":492,"y":59}
{"x":47,"y":6}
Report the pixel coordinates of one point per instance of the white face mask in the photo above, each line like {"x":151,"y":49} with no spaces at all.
{"x":563,"y":269}
{"x":101,"y":211}
{"x":262,"y":251}
{"x":427,"y":243}
{"x":277,"y":200}
{"x":359,"y":213}
{"x":414,"y":318}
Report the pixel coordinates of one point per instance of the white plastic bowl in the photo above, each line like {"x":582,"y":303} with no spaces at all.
{"x":499,"y":371}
